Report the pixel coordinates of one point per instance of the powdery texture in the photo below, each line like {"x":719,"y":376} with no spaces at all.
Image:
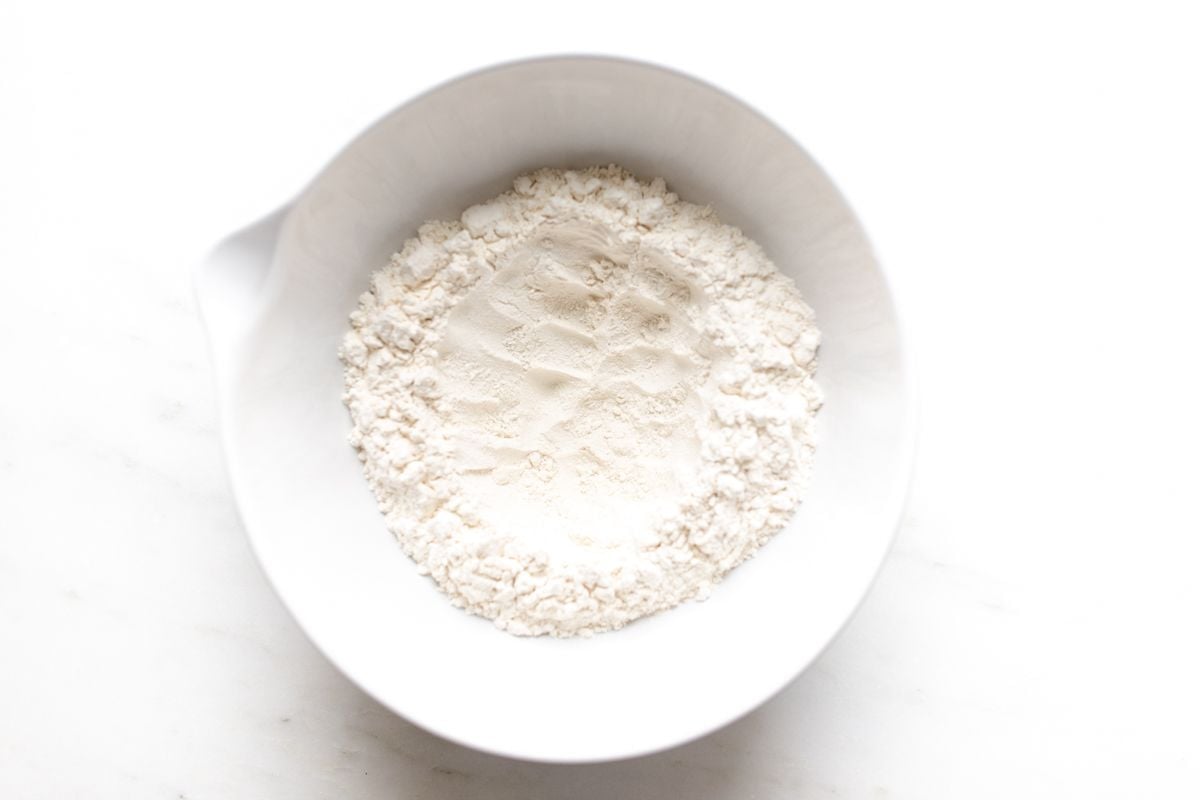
{"x":582,"y":403}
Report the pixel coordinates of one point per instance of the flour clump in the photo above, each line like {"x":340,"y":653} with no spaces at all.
{"x":583,"y":402}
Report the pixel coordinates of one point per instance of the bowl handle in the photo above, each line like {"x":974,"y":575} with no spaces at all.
{"x":229,"y":282}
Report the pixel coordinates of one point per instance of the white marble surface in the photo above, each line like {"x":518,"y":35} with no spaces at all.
{"x":1031,"y":179}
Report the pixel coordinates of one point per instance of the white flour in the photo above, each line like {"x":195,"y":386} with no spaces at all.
{"x":583,"y":403}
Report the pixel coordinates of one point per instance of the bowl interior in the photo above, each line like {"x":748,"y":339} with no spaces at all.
{"x":315,"y":527}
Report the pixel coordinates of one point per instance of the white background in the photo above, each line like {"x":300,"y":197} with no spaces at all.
{"x":1031,"y":176}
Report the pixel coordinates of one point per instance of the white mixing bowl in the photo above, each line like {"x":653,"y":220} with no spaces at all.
{"x":276,"y":297}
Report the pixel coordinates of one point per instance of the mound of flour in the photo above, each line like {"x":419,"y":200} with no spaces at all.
{"x":583,"y":402}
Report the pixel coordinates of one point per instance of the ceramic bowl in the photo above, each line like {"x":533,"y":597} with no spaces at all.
{"x":276,"y":297}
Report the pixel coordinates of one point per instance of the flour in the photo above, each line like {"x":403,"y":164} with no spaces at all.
{"x":584,"y":402}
